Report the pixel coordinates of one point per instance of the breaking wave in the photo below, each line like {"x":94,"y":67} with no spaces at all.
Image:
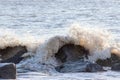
{"x":42,"y":53}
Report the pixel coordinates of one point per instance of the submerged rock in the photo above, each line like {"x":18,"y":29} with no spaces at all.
{"x":79,"y":66}
{"x":7,"y":71}
{"x":12,"y":54}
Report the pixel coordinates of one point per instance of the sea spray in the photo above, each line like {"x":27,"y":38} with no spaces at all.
{"x":97,"y":41}
{"x":42,"y":52}
{"x":9,"y":38}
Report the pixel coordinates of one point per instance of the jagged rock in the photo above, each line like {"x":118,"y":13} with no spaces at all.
{"x":7,"y":71}
{"x":79,"y":66}
{"x":12,"y":54}
{"x":71,"y":52}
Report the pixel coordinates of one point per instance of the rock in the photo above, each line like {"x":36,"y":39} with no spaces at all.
{"x":79,"y":66}
{"x":71,"y":52}
{"x":116,"y":67}
{"x":107,"y":62}
{"x":93,"y":67}
{"x":12,"y":54}
{"x":72,"y":58}
{"x":15,"y":59}
{"x":114,"y":59}
{"x":115,"y":62}
{"x":7,"y":71}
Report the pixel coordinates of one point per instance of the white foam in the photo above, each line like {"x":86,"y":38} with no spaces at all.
{"x":97,"y":41}
{"x":8,"y":38}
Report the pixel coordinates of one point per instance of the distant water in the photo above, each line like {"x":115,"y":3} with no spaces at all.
{"x":32,"y":22}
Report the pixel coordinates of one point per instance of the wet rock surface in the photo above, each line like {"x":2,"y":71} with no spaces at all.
{"x":9,"y":57}
{"x":79,"y":66}
{"x":113,"y":62}
{"x":72,"y":56}
{"x":71,"y":52}
{"x":12,"y":54}
{"x":7,"y":71}
{"x":106,"y":63}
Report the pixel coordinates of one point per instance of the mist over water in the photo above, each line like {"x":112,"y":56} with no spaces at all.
{"x":33,"y":22}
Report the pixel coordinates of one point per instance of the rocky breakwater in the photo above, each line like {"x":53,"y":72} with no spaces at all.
{"x":73,"y":59}
{"x":7,"y":71}
{"x":8,"y":58}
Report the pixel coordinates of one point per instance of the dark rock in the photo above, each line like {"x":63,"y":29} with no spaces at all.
{"x":79,"y":66}
{"x":72,"y":58}
{"x":12,"y":54}
{"x":114,"y":59}
{"x":15,"y":59}
{"x":107,"y":62}
{"x":58,"y":68}
{"x":116,"y":67}
{"x":93,"y":67}
{"x":115,"y":62}
{"x":71,"y":52}
{"x":7,"y":71}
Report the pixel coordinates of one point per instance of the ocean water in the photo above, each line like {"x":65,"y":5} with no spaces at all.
{"x":94,"y":24}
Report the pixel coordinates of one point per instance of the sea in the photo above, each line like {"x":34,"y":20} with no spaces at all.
{"x":43,"y":26}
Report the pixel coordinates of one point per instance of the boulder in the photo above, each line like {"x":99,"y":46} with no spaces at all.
{"x":109,"y":62}
{"x":79,"y":66}
{"x":72,"y":58}
{"x":7,"y":71}
{"x":12,"y":54}
{"x":71,"y":52}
